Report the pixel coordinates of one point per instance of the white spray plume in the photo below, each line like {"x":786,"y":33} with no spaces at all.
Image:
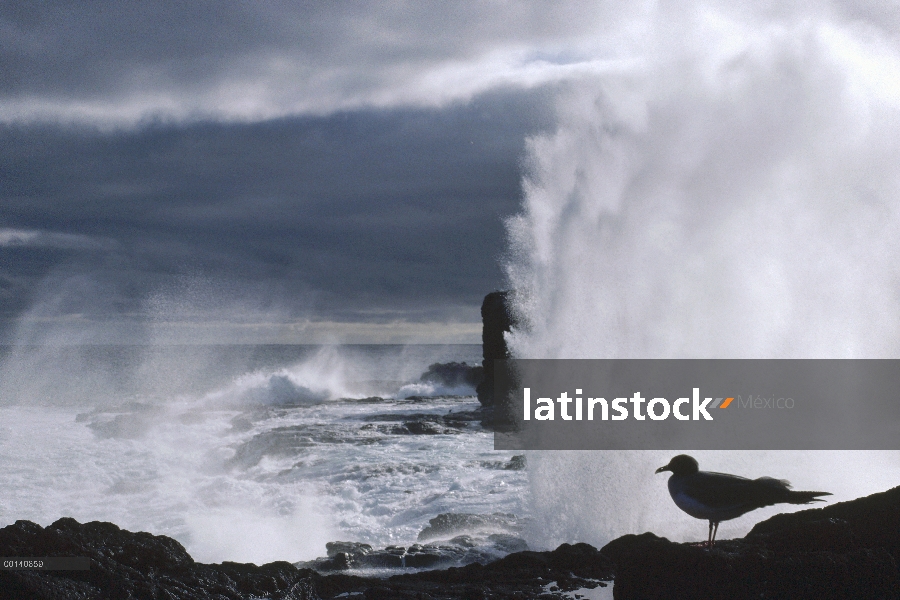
{"x":731,"y":192}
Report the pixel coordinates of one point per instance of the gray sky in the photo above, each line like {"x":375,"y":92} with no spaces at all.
{"x":260,"y":171}
{"x":286,"y":171}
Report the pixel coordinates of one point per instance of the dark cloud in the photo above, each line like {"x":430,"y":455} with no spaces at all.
{"x":368,"y":212}
{"x":120,"y":62}
{"x":344,"y":160}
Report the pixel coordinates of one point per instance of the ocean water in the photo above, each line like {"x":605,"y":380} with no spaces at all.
{"x":245,"y":453}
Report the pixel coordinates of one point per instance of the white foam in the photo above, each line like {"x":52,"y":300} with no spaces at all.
{"x":237,"y":473}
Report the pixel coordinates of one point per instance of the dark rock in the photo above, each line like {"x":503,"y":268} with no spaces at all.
{"x":142,"y":566}
{"x":335,"y":548}
{"x":450,"y":524}
{"x":280,"y":390}
{"x":134,"y":565}
{"x":421,"y":427}
{"x":874,"y":522}
{"x":846,"y":550}
{"x":411,"y":428}
{"x":370,"y":400}
{"x":389,"y":558}
{"x":460,"y":551}
{"x":280,"y":441}
{"x":343,"y":556}
{"x":463,"y":541}
{"x":126,"y":421}
{"x":457,"y":417}
{"x":240,"y":424}
{"x":517,"y":576}
{"x":421,"y":423}
{"x":516,"y":463}
{"x":453,"y":374}
{"x":464,"y":416}
{"x":497,"y":318}
{"x":426,"y":557}
{"x":507,"y":543}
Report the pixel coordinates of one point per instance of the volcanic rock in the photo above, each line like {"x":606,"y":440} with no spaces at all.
{"x":449,"y":524}
{"x":496,"y":318}
{"x":846,"y":550}
{"x":453,"y":374}
{"x":459,"y":551}
{"x":134,"y":565}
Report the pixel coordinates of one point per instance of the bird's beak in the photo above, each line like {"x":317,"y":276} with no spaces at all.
{"x":665,"y":468}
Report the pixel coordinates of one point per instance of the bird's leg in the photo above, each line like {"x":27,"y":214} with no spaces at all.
{"x":715,"y":531}
{"x":710,"y":538}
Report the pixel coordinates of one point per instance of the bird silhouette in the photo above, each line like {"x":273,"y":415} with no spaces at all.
{"x":719,"y":497}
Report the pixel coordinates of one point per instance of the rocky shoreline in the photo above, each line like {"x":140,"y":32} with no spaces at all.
{"x":846,"y":550}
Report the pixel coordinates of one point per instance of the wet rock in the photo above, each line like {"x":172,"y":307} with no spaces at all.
{"x":417,"y":424}
{"x":428,"y":557}
{"x":463,"y":541}
{"x":240,"y":424}
{"x":507,"y":543}
{"x":446,"y":525}
{"x":453,"y":374}
{"x":280,"y":390}
{"x":464,"y":416}
{"x":127,"y":421}
{"x":519,"y":575}
{"x":421,"y":399}
{"x":280,"y":441}
{"x":497,"y":319}
{"x":343,"y":556}
{"x":421,"y":427}
{"x":460,"y":551}
{"x":335,"y":548}
{"x":370,"y":400}
{"x":516,"y":463}
{"x":291,"y":441}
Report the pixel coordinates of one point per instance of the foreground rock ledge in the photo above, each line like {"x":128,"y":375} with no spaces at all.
{"x":846,"y":550}
{"x":143,"y":566}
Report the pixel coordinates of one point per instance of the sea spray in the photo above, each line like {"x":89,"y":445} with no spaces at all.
{"x":730,"y":191}
{"x":271,"y":453}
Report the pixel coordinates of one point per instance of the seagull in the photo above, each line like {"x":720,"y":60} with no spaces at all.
{"x":719,"y":497}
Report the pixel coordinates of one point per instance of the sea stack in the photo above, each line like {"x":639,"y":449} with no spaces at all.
{"x":496,"y":319}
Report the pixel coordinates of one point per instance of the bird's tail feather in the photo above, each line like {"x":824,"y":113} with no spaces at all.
{"x":806,"y":497}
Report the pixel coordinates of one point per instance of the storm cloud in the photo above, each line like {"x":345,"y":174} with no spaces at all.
{"x":361,"y":215}
{"x":292,"y":163}
{"x":114,"y":62}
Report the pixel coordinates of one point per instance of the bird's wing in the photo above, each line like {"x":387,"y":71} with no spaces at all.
{"x":717,"y":489}
{"x":724,"y":490}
